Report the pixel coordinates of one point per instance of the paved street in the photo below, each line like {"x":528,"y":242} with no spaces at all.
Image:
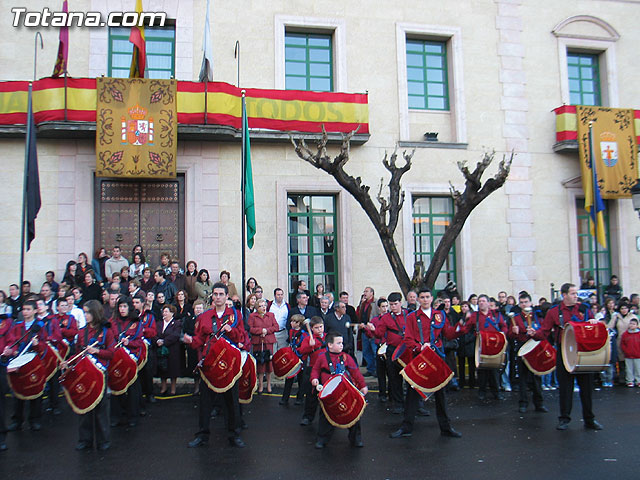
{"x":497,"y":443}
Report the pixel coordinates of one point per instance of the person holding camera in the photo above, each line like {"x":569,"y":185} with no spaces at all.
{"x":262,"y":327}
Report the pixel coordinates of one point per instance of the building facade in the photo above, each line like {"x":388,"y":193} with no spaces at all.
{"x":484,"y":75}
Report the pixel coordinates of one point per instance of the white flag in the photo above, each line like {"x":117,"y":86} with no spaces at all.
{"x":206,"y":71}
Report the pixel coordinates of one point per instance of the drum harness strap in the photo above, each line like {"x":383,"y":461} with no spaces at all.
{"x":89,"y":341}
{"x":24,"y":343}
{"x":490,"y":321}
{"x":561,"y":322}
{"x":399,"y":331}
{"x":432,"y":339}
{"x":338,"y":369}
{"x":214,"y":332}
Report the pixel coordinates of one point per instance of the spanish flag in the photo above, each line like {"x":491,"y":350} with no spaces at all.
{"x":139,"y":49}
{"x":63,"y":47}
{"x":594,"y":204}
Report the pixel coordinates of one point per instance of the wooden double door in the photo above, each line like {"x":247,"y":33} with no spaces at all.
{"x":149,"y":213}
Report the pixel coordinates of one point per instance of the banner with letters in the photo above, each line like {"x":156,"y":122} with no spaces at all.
{"x":136,"y":128}
{"x":615,"y":148}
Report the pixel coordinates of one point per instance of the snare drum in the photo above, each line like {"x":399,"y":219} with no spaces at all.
{"x":221,"y":366}
{"x":286,"y":363}
{"x":428,"y":372}
{"x":83,"y":385}
{"x":490,"y":349}
{"x":248,"y":383}
{"x":50,"y":360}
{"x":402,"y":355}
{"x":27,"y":377}
{"x":122,"y":371}
{"x":538,"y":356}
{"x":341,"y":402}
{"x":585,"y":347}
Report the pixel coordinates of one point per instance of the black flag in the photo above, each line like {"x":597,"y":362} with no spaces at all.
{"x":34,"y":202}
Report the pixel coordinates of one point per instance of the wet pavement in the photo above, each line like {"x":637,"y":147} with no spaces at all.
{"x":497,"y":442}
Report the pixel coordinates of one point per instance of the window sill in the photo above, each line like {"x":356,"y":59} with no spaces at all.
{"x":446,"y":145}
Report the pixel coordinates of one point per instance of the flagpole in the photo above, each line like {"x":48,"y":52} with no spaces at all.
{"x":236,"y":54}
{"x":594,"y":207}
{"x":242,"y":194}
{"x":25,"y":176}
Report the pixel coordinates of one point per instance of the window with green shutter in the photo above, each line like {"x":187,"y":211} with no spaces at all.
{"x":587,"y":246}
{"x":427,"y":77}
{"x":160,"y":46}
{"x":431,"y":216}
{"x":308,"y":61}
{"x":313,"y":254}
{"x":584,"y":79}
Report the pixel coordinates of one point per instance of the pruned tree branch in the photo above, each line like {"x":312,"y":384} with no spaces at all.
{"x":386,"y":214}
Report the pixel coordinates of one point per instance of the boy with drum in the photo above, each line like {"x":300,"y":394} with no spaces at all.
{"x":333,"y":362}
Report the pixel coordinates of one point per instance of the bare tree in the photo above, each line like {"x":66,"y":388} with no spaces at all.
{"x":384,"y":216}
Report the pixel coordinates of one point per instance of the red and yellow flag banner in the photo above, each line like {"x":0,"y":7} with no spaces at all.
{"x":136,"y":128}
{"x":279,"y":110}
{"x":615,"y":149}
{"x":567,"y":123}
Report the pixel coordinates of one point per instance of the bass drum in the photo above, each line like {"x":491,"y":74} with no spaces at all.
{"x":341,"y":402}
{"x":83,"y":385}
{"x":538,"y":356}
{"x":491,"y":350}
{"x":585,"y":347}
{"x":248,"y":383}
{"x":428,"y":372}
{"x":221,"y":366}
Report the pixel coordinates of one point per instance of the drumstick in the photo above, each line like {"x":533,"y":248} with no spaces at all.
{"x":24,"y":351}
{"x":307,"y":323}
{"x":83,"y":352}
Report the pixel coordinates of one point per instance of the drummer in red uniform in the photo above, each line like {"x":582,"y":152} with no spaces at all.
{"x":95,"y":423}
{"x":54,"y":337}
{"x":425,"y":328}
{"x":569,"y":310}
{"x":390,"y":329}
{"x":521,"y":332}
{"x":30,"y":326}
{"x":331,"y":362}
{"x":5,"y":353}
{"x":128,"y":329}
{"x":486,"y":319}
{"x":310,"y":350}
{"x":229,"y":321}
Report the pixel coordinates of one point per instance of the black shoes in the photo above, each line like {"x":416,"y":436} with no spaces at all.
{"x":3,"y":447}
{"x":152,"y":399}
{"x":397,"y":410}
{"x":542,"y":409}
{"x":103,"y":447}
{"x":563,"y":425}
{"x":400,"y":433}
{"x":14,"y":427}
{"x":450,"y":433}
{"x":320,"y":445}
{"x":283,"y":402}
{"x":482,"y":396}
{"x":36,"y":427}
{"x":523,"y":409}
{"x":305,"y":422}
{"x":499,"y":397}
{"x":423,"y":412}
{"x":237,"y":442}
{"x":198,"y":442}
{"x":593,"y":425}
{"x":383,"y":399}
{"x":80,"y":446}
{"x":357,"y":444}
{"x":298,"y":401}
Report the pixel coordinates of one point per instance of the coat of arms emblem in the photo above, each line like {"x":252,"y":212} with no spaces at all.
{"x":609,"y":148}
{"x":137,"y":130}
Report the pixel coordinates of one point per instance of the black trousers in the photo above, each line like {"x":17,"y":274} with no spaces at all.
{"x":472,"y":371}
{"x":126,"y":407}
{"x":208,"y":398}
{"x":145,"y":377}
{"x":490,"y":376}
{"x":35,"y":410}
{"x":310,"y":397}
{"x":288,"y":385}
{"x":325,"y":431}
{"x":528,"y":379}
{"x":381,"y":371}
{"x":395,"y":379}
{"x":94,"y":425}
{"x":4,"y":389}
{"x":54,"y":390}
{"x":411,"y":408}
{"x":565,"y":389}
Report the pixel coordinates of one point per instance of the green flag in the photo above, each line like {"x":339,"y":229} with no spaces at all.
{"x":249,"y":205}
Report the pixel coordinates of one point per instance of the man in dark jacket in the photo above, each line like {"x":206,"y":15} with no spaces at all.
{"x":336,"y":321}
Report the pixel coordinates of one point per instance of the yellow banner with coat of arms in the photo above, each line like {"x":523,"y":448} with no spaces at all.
{"x":136,"y":128}
{"x":615,"y":149}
